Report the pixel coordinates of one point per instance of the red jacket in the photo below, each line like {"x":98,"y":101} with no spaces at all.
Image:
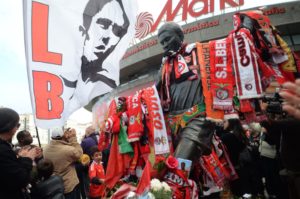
{"x":96,"y":170}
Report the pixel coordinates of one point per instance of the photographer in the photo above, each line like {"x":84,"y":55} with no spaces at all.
{"x":287,"y":128}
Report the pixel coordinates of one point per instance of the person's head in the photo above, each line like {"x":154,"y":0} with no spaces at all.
{"x":45,"y":169}
{"x":57,"y":133}
{"x":96,"y":154}
{"x":182,"y":165}
{"x":255,"y":129}
{"x":170,"y":36}
{"x":9,"y":123}
{"x":24,"y":138}
{"x":102,"y":29}
{"x":89,"y":130}
{"x":236,"y":127}
{"x":121,"y":106}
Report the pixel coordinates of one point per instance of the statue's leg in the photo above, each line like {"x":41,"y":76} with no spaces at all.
{"x":195,"y":140}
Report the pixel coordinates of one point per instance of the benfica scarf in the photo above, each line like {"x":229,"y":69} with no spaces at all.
{"x":245,"y":66}
{"x":204,"y":60}
{"x":179,"y":184}
{"x":221,"y":74}
{"x":183,"y":65}
{"x":217,"y":166}
{"x":135,"y":123}
{"x":157,"y":125}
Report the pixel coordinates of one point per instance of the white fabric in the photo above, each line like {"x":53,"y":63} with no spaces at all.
{"x":161,"y":143}
{"x":245,"y":66}
{"x":66,"y":41}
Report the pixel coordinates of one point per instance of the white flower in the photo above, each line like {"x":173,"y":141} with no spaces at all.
{"x":155,"y":184}
{"x":166,"y":186}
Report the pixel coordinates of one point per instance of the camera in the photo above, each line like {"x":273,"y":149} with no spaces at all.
{"x":274,"y":104}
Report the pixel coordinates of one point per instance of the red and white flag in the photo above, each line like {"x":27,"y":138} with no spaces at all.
{"x":73,"y":49}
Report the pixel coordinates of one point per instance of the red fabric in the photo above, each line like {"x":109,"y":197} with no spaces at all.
{"x":245,"y":106}
{"x":116,"y":166}
{"x":144,"y":183}
{"x":135,"y":158}
{"x":212,"y":166}
{"x":103,"y":140}
{"x":225,"y":160}
{"x":96,"y":170}
{"x":221,"y":74}
{"x":135,"y":123}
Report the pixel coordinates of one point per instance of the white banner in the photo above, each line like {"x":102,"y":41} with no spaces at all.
{"x":73,"y":49}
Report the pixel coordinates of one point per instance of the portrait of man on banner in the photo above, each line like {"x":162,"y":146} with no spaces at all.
{"x":104,"y":24}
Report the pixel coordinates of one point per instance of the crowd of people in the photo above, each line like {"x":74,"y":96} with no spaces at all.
{"x":62,"y":169}
{"x":66,"y":169}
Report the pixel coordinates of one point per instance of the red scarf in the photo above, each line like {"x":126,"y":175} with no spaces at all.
{"x":221,"y":74}
{"x":135,"y":124}
{"x":204,"y":60}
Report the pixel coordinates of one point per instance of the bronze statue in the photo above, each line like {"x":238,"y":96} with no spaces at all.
{"x":180,"y":89}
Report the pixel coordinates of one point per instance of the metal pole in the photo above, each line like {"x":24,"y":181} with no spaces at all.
{"x":48,"y":136}
{"x":37,"y":135}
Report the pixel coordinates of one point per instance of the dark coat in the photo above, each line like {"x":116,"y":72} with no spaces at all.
{"x":52,"y":188}
{"x":287,"y":130}
{"x":14,"y":172}
{"x":88,"y":142}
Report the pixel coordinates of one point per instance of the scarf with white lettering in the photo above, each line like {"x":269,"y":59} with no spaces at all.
{"x":221,"y":74}
{"x":157,"y":128}
{"x":204,"y":62}
{"x":245,"y":64}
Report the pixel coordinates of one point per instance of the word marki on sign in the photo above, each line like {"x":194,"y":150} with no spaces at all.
{"x":188,"y":8}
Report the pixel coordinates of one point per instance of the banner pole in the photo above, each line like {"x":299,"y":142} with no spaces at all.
{"x":37,"y":135}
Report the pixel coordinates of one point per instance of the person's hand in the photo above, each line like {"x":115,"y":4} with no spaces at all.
{"x":291,"y":96}
{"x":69,"y":133}
{"x":39,"y":152}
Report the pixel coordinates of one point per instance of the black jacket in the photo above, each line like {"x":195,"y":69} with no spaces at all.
{"x":288,"y":130}
{"x":14,"y":172}
{"x":52,"y":188}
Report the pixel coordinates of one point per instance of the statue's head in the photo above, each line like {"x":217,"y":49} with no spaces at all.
{"x":170,"y":36}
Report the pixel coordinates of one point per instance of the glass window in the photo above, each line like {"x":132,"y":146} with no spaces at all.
{"x":296,"y":39}
{"x":287,"y":39}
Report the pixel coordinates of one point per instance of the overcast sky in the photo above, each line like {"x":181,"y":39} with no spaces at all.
{"x":13,"y":80}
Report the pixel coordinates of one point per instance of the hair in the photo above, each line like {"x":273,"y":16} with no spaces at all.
{"x":172,"y":26}
{"x":236,"y":127}
{"x":95,"y":6}
{"x":9,"y":119}
{"x":45,"y":168}
{"x":21,"y":135}
{"x":94,"y":149}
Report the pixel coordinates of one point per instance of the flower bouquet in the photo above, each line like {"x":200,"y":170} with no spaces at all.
{"x":160,"y":190}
